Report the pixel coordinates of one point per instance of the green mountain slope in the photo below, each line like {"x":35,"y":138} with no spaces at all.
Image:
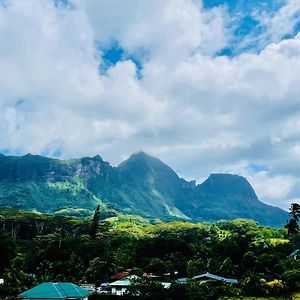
{"x":140,"y":185}
{"x":226,"y":196}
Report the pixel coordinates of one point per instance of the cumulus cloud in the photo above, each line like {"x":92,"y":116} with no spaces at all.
{"x":198,"y":111}
{"x":165,"y":30}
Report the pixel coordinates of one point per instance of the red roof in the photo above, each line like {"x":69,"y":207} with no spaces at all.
{"x":120,"y":275}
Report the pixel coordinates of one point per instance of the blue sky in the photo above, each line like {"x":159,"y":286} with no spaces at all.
{"x":206,"y":86}
{"x":244,"y":12}
{"x":245,"y":23}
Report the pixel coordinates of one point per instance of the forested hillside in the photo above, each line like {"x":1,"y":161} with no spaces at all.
{"x":37,"y":248}
{"x":141,"y":185}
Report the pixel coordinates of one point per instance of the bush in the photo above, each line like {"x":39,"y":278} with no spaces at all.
{"x":275,"y":287}
{"x":210,"y":290}
{"x":253,"y":285}
{"x":146,"y":289}
{"x":256,"y":286}
{"x":178,"y":291}
{"x":291,"y":280}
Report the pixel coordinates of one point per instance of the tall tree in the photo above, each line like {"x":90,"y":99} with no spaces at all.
{"x":295,"y":211}
{"x":95,"y":223}
{"x":15,"y":279}
{"x":292,"y":226}
{"x":7,"y":249}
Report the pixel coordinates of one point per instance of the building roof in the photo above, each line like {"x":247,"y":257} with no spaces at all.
{"x":127,"y":281}
{"x":215,"y":277}
{"x":120,"y":275}
{"x":166,"y":285}
{"x":55,"y":290}
{"x":295,"y":252}
{"x":182,"y":280}
{"x":124,"y":282}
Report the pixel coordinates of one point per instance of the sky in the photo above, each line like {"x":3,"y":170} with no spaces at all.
{"x":207,"y":86}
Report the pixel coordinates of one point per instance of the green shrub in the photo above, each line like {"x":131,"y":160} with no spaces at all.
{"x":291,"y":280}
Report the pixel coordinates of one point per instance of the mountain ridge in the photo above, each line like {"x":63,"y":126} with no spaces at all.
{"x":142,"y":185}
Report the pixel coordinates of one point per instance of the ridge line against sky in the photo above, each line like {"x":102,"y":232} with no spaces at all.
{"x":207,"y":86}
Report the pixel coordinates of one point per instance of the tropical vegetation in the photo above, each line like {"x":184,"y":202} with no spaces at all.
{"x":38,"y":247}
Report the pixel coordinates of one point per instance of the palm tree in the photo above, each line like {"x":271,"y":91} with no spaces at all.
{"x":292,"y":226}
{"x":16,"y":280}
{"x":295,"y":211}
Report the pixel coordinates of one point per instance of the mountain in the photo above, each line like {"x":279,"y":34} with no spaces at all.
{"x":141,"y":185}
{"x":154,"y":185}
{"x":226,"y":196}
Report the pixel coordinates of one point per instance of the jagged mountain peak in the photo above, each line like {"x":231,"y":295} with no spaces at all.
{"x":141,"y":165}
{"x":141,"y":154}
{"x":228,"y":185}
{"x":141,"y":157}
{"x":97,"y":157}
{"x":228,"y":179}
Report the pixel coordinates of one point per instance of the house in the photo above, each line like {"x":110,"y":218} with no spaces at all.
{"x":182,"y":280}
{"x":119,"y":287}
{"x":150,"y":275}
{"x":104,"y":287}
{"x":56,"y":290}
{"x":166,"y":285}
{"x":120,"y":275}
{"x":88,"y":286}
{"x":208,"y":276}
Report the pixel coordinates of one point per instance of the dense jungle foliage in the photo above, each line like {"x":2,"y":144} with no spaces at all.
{"x":37,"y":247}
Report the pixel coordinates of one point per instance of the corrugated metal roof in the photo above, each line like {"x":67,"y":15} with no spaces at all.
{"x":216,"y":277}
{"x":119,"y":275}
{"x":182,"y":280}
{"x":55,"y":290}
{"x":124,"y":282}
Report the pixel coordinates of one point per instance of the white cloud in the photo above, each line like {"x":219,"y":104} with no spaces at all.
{"x":174,"y":28}
{"x":197,"y":112}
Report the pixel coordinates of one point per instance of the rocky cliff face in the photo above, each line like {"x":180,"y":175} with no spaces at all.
{"x":140,"y":185}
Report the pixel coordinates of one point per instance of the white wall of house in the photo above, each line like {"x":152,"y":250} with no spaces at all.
{"x":118,"y":290}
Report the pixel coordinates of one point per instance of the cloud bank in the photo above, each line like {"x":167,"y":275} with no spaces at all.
{"x":171,"y":92}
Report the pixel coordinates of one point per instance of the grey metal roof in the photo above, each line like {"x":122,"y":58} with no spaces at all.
{"x":215,"y":277}
{"x":124,"y":281}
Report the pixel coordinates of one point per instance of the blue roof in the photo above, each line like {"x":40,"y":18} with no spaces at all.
{"x":55,"y":290}
{"x":295,"y":252}
{"x":182,"y":280}
{"x":215,"y":277}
